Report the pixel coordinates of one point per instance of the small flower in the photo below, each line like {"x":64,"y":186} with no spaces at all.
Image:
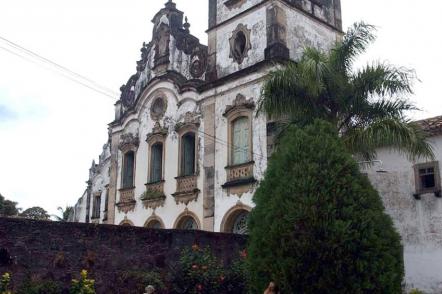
{"x":204,"y":267}
{"x":199,"y":287}
{"x":195,"y":247}
{"x":221,"y":278}
{"x":243,"y":253}
{"x":194,"y":266}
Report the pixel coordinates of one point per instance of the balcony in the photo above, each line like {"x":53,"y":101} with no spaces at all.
{"x":187,"y":189}
{"x":154,"y":196}
{"x":127,"y":200}
{"x":240,"y":178}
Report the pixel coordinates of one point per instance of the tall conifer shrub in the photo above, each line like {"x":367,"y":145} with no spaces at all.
{"x":319,"y":226}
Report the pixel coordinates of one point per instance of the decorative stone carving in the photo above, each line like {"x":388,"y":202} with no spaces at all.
{"x":158,"y":108}
{"x":128,"y":92}
{"x":154,"y":196}
{"x":240,"y":102}
{"x":162,"y":40}
{"x":231,"y":4}
{"x":198,"y":62}
{"x":157,"y":131}
{"x":141,"y":64}
{"x":127,"y":200}
{"x":187,"y":189}
{"x":240,"y":178}
{"x":191,"y":120}
{"x":128,"y":142}
{"x":240,"y":43}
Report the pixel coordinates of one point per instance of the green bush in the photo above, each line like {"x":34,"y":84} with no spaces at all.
{"x":83,"y":285}
{"x":319,"y":226}
{"x":199,"y":271}
{"x":135,"y":281}
{"x":40,"y":287}
{"x":416,"y":291}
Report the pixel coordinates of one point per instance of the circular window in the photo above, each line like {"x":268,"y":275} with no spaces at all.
{"x":158,"y":108}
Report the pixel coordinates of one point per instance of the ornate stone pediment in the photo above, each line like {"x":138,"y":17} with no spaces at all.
{"x":198,"y":64}
{"x":141,"y":64}
{"x":128,"y":141}
{"x":240,"y":102}
{"x":191,"y":120}
{"x":157,"y":131}
{"x":128,"y":92}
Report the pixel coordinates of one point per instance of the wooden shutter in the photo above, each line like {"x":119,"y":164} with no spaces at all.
{"x":240,"y":141}
{"x":157,"y":163}
{"x":188,"y":155}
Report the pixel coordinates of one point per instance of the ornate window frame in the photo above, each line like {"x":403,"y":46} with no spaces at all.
{"x":127,"y":223}
{"x":154,"y":195}
{"x":128,"y":143}
{"x":240,"y":174}
{"x":234,"y":53}
{"x":154,"y":218}
{"x":160,"y":96}
{"x":187,"y":185}
{"x":231,"y":215}
{"x":186,"y":214}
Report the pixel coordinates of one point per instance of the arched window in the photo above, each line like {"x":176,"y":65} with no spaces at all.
{"x":154,"y":224}
{"x":156,"y":164}
{"x":240,"y":141}
{"x":128,"y":169}
{"x":188,"y":223}
{"x":240,"y":223}
{"x":188,"y":155}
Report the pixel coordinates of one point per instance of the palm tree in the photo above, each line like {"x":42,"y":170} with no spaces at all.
{"x":367,"y":105}
{"x":65,"y":214}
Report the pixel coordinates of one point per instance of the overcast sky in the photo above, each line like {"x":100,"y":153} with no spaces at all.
{"x":52,"y":128}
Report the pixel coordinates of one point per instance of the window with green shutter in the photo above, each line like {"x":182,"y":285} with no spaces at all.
{"x":240,"y":141}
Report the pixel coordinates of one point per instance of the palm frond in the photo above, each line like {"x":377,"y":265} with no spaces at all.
{"x":402,"y":136}
{"x":355,"y":41}
{"x":289,"y":92}
{"x":382,"y":79}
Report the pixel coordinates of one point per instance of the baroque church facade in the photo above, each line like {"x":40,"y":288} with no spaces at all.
{"x":187,"y":148}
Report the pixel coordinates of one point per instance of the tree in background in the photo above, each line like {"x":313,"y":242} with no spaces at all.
{"x":7,"y":207}
{"x":318,"y":225}
{"x":35,"y":213}
{"x":65,"y":213}
{"x":367,"y":106}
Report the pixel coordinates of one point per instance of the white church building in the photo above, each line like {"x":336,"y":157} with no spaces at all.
{"x":186,"y":149}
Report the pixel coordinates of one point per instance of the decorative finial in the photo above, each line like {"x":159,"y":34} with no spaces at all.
{"x":186,"y":25}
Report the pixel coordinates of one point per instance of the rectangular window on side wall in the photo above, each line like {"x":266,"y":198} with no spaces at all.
{"x":427,"y":177}
{"x":96,"y":207}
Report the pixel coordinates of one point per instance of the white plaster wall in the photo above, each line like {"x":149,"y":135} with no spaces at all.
{"x":256,"y":22}
{"x":224,"y":201}
{"x":304,"y":31}
{"x":419,"y":222}
{"x":224,"y":13}
{"x":170,"y":211}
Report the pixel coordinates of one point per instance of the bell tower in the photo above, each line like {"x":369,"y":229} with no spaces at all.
{"x":244,"y":33}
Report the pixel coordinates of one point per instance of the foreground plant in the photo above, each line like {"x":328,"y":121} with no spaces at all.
{"x":318,"y":225}
{"x":4,"y":284}
{"x":83,"y":285}
{"x":368,"y":106}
